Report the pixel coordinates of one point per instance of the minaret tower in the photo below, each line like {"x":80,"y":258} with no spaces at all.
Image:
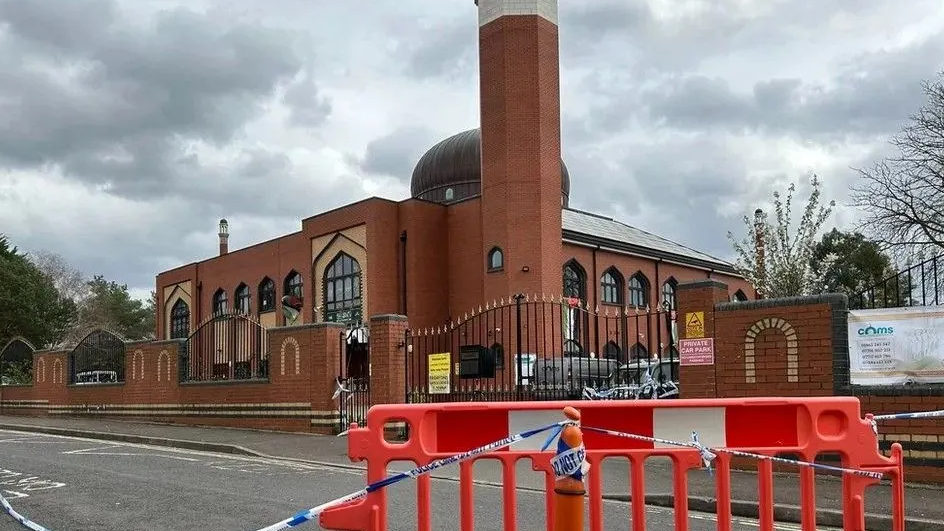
{"x":224,"y":237}
{"x":519,"y":69}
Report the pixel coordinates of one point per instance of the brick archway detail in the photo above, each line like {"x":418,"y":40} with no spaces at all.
{"x":793,"y":365}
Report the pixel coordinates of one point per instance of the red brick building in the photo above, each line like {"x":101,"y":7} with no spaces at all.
{"x":488,"y":218}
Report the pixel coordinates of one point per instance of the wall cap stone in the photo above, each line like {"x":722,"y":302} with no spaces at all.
{"x":705,"y":283}
{"x":306,"y":326}
{"x":388,"y":317}
{"x":833,"y":299}
{"x":155,"y":342}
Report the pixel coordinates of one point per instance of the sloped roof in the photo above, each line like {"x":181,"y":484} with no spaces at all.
{"x":594,"y":229}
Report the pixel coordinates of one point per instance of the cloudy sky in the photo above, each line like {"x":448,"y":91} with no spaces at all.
{"x":128,"y":127}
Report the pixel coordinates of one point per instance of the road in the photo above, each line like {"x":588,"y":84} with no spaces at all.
{"x":72,"y":484}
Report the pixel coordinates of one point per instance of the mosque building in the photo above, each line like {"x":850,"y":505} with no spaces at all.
{"x":488,"y":217}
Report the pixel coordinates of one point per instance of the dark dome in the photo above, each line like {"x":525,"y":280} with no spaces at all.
{"x":454,"y":164}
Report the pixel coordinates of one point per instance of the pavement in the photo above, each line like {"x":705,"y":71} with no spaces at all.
{"x":76,"y":484}
{"x":924,"y":504}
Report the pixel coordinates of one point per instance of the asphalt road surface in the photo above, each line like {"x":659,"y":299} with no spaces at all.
{"x":71,"y":484}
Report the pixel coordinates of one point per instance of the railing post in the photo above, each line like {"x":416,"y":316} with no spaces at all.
{"x":518,"y":352}
{"x":569,"y":490}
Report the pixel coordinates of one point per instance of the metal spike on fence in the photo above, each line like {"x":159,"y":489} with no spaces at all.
{"x":648,"y":309}
{"x":502,"y":302}
{"x":596,"y":309}
{"x":465,"y":316}
{"x":486,"y":306}
{"x":480,"y":308}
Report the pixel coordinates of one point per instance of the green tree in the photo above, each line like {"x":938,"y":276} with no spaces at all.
{"x":110,"y":306}
{"x":775,"y":258}
{"x":850,"y":263}
{"x":30,"y":306}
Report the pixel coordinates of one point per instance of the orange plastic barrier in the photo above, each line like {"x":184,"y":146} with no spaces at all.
{"x":804,"y":427}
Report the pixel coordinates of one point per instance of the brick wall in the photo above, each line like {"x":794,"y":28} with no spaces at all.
{"x":799,"y":347}
{"x":304,"y":362}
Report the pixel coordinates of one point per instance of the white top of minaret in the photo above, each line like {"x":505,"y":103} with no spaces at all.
{"x":490,"y":10}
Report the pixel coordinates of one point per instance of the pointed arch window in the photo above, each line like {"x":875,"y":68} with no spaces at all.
{"x":266,"y":295}
{"x":611,"y":287}
{"x":611,"y":351}
{"x":739,"y":296}
{"x":342,"y":290}
{"x":638,"y":290}
{"x":243,"y":299}
{"x":496,"y":259}
{"x":293,"y":285}
{"x":575,"y":281}
{"x":638,"y":352}
{"x":668,"y":293}
{"x":220,"y":302}
{"x":180,"y":320}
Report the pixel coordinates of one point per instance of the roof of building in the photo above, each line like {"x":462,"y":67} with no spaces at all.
{"x":595,"y":229}
{"x":456,"y":162}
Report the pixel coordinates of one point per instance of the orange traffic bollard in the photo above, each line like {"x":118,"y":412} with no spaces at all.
{"x":569,"y":468}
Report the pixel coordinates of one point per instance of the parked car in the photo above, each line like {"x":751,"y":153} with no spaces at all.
{"x":643,"y":379}
{"x":96,"y":377}
{"x":568,"y":375}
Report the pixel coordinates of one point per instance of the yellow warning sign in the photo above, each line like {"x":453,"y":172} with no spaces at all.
{"x":695,"y":325}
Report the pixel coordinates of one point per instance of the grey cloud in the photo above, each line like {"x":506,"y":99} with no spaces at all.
{"x":308,"y":106}
{"x":666,"y":187}
{"x":868,"y":97}
{"x":142,"y":94}
{"x":444,"y":50}
{"x":396,"y":153}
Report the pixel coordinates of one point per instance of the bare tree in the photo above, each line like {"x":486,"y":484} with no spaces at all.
{"x":903,"y":195}
{"x":774,"y":258}
{"x":68,"y":281}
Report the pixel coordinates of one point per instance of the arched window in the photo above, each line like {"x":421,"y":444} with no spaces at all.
{"x":180,"y":320}
{"x":496,"y":259}
{"x":575,"y":284}
{"x":342,"y":287}
{"x":293,"y":284}
{"x":638,"y":352}
{"x":611,"y":350}
{"x":243,"y":299}
{"x":266,"y":295}
{"x":638,"y":290}
{"x":739,"y":296}
{"x":611,"y":287}
{"x":220,"y":302}
{"x":450,"y":194}
{"x":668,"y":293}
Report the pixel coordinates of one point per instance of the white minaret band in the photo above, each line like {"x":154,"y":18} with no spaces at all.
{"x":490,"y":10}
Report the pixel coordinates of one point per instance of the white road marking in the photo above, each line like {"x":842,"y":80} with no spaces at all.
{"x":333,"y":468}
{"x":12,"y":495}
{"x":83,"y":450}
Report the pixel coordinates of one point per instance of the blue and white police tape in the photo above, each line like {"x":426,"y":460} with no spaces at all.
{"x":310,"y":514}
{"x":24,"y":521}
{"x":910,"y":416}
{"x":874,"y":419}
{"x":709,"y":453}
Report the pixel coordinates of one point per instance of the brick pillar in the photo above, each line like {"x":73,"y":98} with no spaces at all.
{"x":388,"y":359}
{"x":699,"y":381}
{"x":303,"y":364}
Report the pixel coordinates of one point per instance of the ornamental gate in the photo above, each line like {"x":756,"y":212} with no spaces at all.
{"x":530,"y":348}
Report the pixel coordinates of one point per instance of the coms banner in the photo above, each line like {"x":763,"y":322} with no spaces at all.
{"x":896,"y":346}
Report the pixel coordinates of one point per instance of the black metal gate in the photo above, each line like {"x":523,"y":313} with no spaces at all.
{"x":231,"y":346}
{"x":16,"y":362}
{"x":353,"y":393}
{"x":527,"y":348}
